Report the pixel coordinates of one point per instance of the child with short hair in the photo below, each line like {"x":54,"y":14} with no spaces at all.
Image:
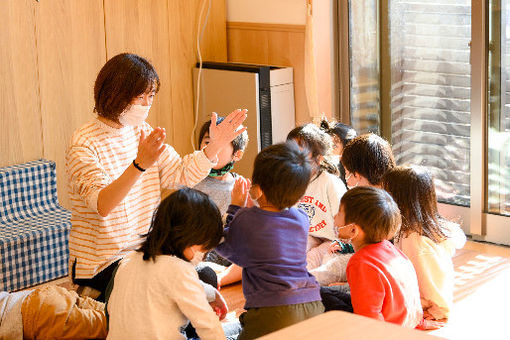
{"x":269,"y":242}
{"x":366,"y":159}
{"x":320,"y":202}
{"x":382,"y":280}
{"x":427,"y":238}
{"x":218,"y":185}
{"x":341,"y":134}
{"x":156,"y":289}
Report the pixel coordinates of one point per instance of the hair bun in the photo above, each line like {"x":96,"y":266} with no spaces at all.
{"x":324,"y":124}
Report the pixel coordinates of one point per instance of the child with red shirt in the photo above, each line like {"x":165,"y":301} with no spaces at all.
{"x":382,"y":280}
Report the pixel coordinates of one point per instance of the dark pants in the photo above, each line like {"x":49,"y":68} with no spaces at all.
{"x":98,"y":282}
{"x":337,"y":298}
{"x":257,"y":322}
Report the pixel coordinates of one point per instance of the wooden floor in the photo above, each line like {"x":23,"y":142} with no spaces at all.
{"x":481,"y":300}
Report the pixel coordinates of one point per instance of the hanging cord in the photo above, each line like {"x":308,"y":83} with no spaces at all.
{"x":200,"y":34}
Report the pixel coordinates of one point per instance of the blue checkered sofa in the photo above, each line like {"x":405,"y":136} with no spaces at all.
{"x":34,"y":228}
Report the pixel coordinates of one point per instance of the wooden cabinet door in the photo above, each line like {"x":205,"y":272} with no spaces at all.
{"x":71,"y":51}
{"x":20,"y":116}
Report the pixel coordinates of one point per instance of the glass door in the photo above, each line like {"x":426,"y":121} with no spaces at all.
{"x":434,"y":78}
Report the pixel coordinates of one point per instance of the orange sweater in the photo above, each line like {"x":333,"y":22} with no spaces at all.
{"x":98,"y":155}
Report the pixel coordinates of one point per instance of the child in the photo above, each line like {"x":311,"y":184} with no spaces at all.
{"x":218,"y":185}
{"x":321,"y":199}
{"x":425,"y":237}
{"x":156,"y":289}
{"x":382,"y":279}
{"x":366,"y":159}
{"x":50,"y":312}
{"x":341,"y":134}
{"x":269,"y":242}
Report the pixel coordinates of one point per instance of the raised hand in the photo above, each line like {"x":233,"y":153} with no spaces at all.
{"x":150,"y":147}
{"x":240,"y":191}
{"x":222,"y":134}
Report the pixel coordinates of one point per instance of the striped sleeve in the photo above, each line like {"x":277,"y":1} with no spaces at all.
{"x":189,"y":170}
{"x":86,"y":175}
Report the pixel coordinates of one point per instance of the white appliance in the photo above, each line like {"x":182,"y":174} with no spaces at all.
{"x":266,"y":91}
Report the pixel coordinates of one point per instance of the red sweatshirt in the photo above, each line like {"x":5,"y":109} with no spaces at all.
{"x":384,"y":285}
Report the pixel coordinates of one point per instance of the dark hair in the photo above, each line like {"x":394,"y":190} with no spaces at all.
{"x":121,"y":79}
{"x":374,"y":211}
{"x":239,"y":143}
{"x":370,"y":156}
{"x":282,"y":171}
{"x":414,"y":191}
{"x":344,"y":132}
{"x":315,"y":140}
{"x":185,"y":218}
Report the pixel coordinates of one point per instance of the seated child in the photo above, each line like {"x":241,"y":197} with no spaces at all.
{"x":366,"y":159}
{"x":269,"y":242}
{"x":320,"y":202}
{"x":218,"y":185}
{"x":382,"y":280}
{"x":50,"y":312}
{"x":427,"y":239}
{"x":341,"y":134}
{"x":156,"y":289}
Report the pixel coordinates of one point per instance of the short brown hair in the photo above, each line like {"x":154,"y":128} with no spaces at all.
{"x":121,"y":79}
{"x":370,"y":156}
{"x":282,"y":171}
{"x":374,"y":211}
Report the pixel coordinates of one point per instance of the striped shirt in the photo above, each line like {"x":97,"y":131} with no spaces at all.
{"x":98,"y":155}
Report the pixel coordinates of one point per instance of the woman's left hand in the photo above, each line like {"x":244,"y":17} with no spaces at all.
{"x":224,"y":133}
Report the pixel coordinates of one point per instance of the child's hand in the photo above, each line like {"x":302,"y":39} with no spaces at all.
{"x":219,"y":306}
{"x":334,"y":247}
{"x":240,"y":191}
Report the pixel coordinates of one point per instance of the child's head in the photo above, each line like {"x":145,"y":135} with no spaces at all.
{"x":341,"y":134}
{"x":370,"y":209}
{"x":367,"y":158}
{"x":121,"y":80}
{"x":227,"y":156}
{"x":317,"y":141}
{"x":282,"y":172}
{"x":186,"y":218}
{"x":413,"y":190}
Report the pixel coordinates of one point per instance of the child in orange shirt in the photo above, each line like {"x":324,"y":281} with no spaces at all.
{"x":382,"y":280}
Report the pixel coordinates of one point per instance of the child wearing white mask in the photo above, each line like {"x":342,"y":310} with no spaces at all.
{"x":117,"y":165}
{"x":155,"y":290}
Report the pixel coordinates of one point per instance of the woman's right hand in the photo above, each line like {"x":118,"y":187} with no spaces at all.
{"x":150,"y":147}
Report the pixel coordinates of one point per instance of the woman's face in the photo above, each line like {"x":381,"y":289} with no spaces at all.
{"x":144,"y":99}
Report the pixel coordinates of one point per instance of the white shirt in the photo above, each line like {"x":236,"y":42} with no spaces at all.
{"x":321,"y":202}
{"x":155,"y":300}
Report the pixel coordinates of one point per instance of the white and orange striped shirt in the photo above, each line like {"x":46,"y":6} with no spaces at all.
{"x":98,"y":155}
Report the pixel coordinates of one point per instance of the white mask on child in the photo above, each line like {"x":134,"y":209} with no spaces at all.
{"x":198,"y":256}
{"x":134,"y":115}
{"x":344,"y":240}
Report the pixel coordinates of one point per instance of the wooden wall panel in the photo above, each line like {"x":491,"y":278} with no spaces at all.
{"x":164,"y":32}
{"x":20,"y":118}
{"x":272,"y":44}
{"x":70,"y":45}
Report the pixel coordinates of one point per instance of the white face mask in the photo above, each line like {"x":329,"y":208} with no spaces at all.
{"x":134,"y":115}
{"x":198,"y":256}
{"x":344,"y":240}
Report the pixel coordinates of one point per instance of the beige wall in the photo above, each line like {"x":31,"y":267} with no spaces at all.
{"x":272,"y":13}
{"x":51,"y":53}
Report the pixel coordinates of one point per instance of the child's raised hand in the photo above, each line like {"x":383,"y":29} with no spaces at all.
{"x":219,"y":305}
{"x":334,"y":247}
{"x":240,"y":191}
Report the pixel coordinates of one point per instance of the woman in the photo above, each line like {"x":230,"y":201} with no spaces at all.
{"x":117,"y":165}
